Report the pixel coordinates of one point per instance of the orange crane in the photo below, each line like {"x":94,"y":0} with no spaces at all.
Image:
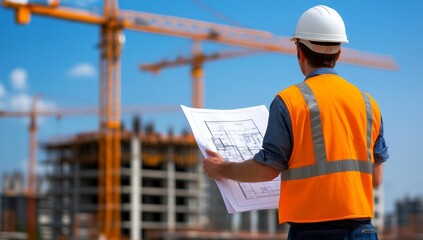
{"x":112,"y":22}
{"x":33,"y":114}
{"x":197,"y":73}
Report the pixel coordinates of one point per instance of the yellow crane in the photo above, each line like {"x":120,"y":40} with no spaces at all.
{"x":112,"y":22}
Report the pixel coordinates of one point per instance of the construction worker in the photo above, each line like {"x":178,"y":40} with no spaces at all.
{"x":325,"y":138}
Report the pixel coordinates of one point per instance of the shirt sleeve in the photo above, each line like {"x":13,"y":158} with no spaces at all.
{"x":277,"y":142}
{"x":380,"y":149}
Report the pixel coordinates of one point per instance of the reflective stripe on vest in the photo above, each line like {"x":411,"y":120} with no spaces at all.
{"x":322,"y":166}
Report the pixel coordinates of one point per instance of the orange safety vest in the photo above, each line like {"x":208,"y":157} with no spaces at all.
{"x":329,"y":175}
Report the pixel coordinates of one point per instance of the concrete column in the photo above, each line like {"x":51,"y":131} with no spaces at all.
{"x":135,"y":188}
{"x":203,"y":189}
{"x":75,"y":201}
{"x":378,"y":220}
{"x":170,"y":190}
{"x":236,"y":222}
{"x":254,"y":221}
{"x":57,"y":201}
{"x":271,"y":221}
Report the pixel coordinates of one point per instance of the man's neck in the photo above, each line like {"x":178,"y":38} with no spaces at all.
{"x":308,"y":69}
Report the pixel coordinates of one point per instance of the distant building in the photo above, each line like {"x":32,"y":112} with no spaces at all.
{"x":13,"y":213}
{"x":13,"y":183}
{"x":407,"y":220}
{"x":14,"y":203}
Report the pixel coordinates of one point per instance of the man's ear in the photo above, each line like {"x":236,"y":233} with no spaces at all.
{"x":338,"y":54}
{"x":301,"y":56}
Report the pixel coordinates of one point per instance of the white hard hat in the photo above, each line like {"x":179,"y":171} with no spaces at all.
{"x":321,"y":24}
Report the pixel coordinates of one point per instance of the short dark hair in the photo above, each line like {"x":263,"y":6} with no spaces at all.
{"x":317,"y":59}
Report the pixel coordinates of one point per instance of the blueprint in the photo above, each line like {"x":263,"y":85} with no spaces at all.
{"x":237,"y":135}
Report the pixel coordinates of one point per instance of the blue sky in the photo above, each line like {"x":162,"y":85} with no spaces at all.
{"x":59,"y":60}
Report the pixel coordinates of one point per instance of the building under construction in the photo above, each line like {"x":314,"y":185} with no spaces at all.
{"x":161,"y":184}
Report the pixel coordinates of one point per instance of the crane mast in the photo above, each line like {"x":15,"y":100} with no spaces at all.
{"x":109,"y":134}
{"x":197,"y":77}
{"x":32,"y":188}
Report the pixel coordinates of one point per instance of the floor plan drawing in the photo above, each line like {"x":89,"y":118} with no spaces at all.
{"x":259,"y":190}
{"x":238,"y":141}
{"x":235,"y":140}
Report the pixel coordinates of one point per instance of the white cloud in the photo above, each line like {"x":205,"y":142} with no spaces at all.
{"x":2,"y":91}
{"x":23,"y":102}
{"x":82,"y":70}
{"x":19,"y":78}
{"x":19,"y":1}
{"x":46,"y":106}
{"x":81,"y":3}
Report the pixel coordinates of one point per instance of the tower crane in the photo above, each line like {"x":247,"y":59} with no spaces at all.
{"x":197,"y":73}
{"x":32,"y":114}
{"x":112,"y":22}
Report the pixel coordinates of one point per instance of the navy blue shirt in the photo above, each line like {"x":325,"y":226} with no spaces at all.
{"x":278,"y":140}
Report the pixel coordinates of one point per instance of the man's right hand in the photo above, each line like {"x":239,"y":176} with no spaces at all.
{"x":213,"y":164}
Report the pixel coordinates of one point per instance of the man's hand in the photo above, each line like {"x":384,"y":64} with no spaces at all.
{"x":247,"y":171}
{"x":213,"y":165}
